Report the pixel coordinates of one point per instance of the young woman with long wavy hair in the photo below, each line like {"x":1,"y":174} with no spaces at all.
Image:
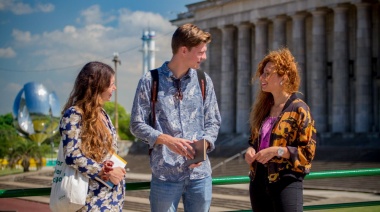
{"x":283,"y":137}
{"x":89,"y":138}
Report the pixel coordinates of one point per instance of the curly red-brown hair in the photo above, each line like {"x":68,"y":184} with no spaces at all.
{"x":285,"y":65}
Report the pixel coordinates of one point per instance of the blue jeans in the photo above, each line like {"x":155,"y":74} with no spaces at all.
{"x":165,"y":196}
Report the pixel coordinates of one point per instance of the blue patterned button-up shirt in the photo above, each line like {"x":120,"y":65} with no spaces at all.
{"x":189,"y":118}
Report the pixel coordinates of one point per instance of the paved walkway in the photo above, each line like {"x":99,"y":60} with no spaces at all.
{"x":225,"y":197}
{"x":22,"y":205}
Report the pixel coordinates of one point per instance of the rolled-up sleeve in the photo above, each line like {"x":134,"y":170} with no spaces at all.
{"x":211,"y":115}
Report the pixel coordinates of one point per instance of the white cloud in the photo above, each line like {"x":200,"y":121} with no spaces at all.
{"x":94,"y":15}
{"x":24,"y":37}
{"x":76,"y":45}
{"x":63,"y":52}
{"x":20,"y":8}
{"x":7,"y":52}
{"x":46,"y":8}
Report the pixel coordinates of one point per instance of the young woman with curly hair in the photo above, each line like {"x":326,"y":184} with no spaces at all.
{"x":89,"y":138}
{"x":283,"y":137}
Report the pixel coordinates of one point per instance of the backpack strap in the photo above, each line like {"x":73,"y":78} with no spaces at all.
{"x":202,"y":83}
{"x":153,"y":94}
{"x":153,"y":99}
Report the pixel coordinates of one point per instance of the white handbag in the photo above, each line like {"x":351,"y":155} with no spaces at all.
{"x":69,"y":188}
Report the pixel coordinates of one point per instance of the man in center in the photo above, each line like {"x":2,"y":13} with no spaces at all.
{"x":180,"y":116}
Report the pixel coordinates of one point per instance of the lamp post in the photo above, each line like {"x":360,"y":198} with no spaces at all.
{"x":116,"y":61}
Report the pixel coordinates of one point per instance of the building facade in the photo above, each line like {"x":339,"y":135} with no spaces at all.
{"x":335,"y":42}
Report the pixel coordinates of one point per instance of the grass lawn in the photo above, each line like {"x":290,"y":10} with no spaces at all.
{"x":354,"y":209}
{"x":8,"y":171}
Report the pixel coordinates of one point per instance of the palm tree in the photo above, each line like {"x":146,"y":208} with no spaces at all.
{"x":25,"y":150}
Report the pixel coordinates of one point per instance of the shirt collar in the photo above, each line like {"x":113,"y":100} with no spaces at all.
{"x":168,"y":73}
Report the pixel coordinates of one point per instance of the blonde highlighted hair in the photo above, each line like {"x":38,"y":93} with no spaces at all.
{"x":91,"y":82}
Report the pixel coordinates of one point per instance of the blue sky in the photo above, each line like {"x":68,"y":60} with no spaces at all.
{"x":48,"y":42}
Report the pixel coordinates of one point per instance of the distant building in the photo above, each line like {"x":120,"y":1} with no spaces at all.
{"x":336,"y":44}
{"x":148,"y":50}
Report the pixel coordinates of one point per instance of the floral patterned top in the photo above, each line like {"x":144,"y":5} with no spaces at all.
{"x":99,"y":197}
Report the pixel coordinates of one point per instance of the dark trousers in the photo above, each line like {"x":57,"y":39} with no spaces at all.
{"x":285,"y":195}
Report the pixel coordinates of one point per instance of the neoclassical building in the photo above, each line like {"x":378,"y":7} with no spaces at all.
{"x":335,"y":42}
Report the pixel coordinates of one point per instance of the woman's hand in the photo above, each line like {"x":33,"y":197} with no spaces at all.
{"x":116,"y":175}
{"x":249,"y":155}
{"x":264,"y":155}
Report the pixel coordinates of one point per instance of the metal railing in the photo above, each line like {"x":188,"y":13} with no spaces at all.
{"x":223,"y":163}
{"x":233,"y":180}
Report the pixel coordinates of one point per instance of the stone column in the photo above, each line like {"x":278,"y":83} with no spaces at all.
{"x":243,"y":78}
{"x":227,"y":105}
{"x":363,"y":75}
{"x":261,"y":44}
{"x":214,"y":58}
{"x":299,"y":48}
{"x":340,"y":72}
{"x":318,"y":81}
{"x":279,"y":32}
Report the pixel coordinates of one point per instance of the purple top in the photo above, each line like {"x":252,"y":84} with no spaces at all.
{"x":265,"y":132}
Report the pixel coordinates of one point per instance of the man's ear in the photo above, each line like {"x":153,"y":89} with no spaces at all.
{"x":183,"y":49}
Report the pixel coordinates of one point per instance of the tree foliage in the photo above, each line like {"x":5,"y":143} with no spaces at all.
{"x":25,"y":150}
{"x":15,"y":147}
{"x":123,"y":120}
{"x":8,"y":134}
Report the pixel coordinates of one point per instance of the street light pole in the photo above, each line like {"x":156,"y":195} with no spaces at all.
{"x":116,"y":61}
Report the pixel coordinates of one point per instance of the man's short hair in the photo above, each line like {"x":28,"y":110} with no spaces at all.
{"x":189,"y":35}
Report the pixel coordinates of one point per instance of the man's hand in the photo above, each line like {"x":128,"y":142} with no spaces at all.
{"x":192,"y":166}
{"x":178,"y":145}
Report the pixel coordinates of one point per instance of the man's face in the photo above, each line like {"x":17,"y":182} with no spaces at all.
{"x":196,"y":55}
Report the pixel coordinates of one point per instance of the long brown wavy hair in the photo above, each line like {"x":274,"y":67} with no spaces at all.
{"x":284,"y":65}
{"x":91,"y":82}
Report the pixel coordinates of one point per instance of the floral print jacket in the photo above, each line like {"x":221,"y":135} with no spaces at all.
{"x":295,"y":130}
{"x":99,"y":197}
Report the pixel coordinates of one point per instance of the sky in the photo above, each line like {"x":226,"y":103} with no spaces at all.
{"x":48,"y":42}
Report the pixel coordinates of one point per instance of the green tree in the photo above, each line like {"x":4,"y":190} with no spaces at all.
{"x":25,"y":150}
{"x":123,"y":119}
{"x":15,"y":147}
{"x":8,"y":135}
